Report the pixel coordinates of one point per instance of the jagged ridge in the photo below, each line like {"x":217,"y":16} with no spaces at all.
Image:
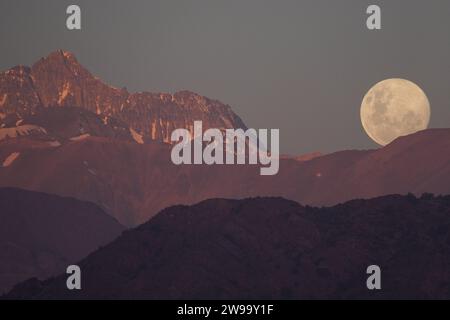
{"x":58,"y":80}
{"x":271,"y":248}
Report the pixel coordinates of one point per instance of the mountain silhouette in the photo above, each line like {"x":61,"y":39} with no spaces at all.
{"x":41,"y":234}
{"x":271,"y":248}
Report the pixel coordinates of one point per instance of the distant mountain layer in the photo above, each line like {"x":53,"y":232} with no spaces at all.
{"x":134,"y":181}
{"x":58,"y":80}
{"x":41,"y":234}
{"x":271,"y":248}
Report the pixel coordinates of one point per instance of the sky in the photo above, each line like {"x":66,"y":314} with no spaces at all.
{"x":299,"y":66}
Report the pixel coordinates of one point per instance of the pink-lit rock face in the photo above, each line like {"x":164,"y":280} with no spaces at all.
{"x":58,"y":80}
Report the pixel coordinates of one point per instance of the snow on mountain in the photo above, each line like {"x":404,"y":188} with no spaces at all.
{"x":23,"y":130}
{"x":10,"y":159}
{"x":59,"y":80}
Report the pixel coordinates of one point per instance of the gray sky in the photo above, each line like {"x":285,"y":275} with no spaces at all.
{"x":300,"y":66}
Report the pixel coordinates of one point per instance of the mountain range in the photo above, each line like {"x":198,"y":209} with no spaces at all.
{"x":271,"y":248}
{"x":63,"y":131}
{"x":133,"y":181}
{"x":80,"y":161}
{"x":58,"y":80}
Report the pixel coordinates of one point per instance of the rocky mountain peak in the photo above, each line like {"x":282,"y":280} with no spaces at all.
{"x":59,"y":80}
{"x":60,"y":59}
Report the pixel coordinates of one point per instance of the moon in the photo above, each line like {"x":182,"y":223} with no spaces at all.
{"x":394,"y":108}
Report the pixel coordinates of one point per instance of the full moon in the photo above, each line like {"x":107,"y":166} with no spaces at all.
{"x":394,"y":108}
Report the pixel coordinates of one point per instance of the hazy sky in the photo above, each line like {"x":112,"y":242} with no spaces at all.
{"x":300,"y":66}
